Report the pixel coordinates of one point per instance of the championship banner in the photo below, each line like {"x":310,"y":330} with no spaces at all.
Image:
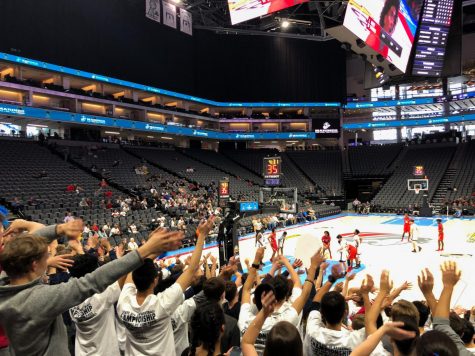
{"x":152,"y":10}
{"x":186,"y":22}
{"x":169,"y":14}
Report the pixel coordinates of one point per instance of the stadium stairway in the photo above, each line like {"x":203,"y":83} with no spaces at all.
{"x":446,"y":182}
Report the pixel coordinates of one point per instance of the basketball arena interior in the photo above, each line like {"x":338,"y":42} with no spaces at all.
{"x":237,"y":177}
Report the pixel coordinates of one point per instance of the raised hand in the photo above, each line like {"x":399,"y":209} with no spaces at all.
{"x":338,"y":287}
{"x":259,"y":254}
{"x":160,"y":241}
{"x":350,"y":276}
{"x":268,"y":303}
{"x":450,"y":274}
{"x":317,"y":259}
{"x":61,"y":261}
{"x":205,"y":227}
{"x":20,"y":225}
{"x":425,"y":281}
{"x":213,"y":259}
{"x":297,"y":263}
{"x":385,"y":283}
{"x":72,"y":229}
{"x":119,"y":250}
{"x":367,"y":284}
{"x":406,"y":286}
{"x":395,"y":331}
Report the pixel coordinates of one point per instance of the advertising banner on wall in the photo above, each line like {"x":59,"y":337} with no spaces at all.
{"x":326,"y":127}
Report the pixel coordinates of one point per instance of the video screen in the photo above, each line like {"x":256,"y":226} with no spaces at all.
{"x":248,"y":206}
{"x":387,"y":26}
{"x":243,"y":10}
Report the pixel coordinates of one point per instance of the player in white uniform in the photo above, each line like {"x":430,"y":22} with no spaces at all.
{"x":342,"y":251}
{"x":414,"y":235}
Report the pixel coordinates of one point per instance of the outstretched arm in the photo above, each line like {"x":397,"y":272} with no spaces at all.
{"x":315,"y":261}
{"x":187,"y":276}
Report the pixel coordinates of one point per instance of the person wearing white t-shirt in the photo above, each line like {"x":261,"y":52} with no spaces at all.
{"x":414,"y":236}
{"x":325,"y":331}
{"x":95,"y":313}
{"x":283,"y":310}
{"x":146,"y":316}
{"x":132,"y":245}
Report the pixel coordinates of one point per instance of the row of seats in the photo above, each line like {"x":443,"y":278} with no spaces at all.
{"x":434,"y":158}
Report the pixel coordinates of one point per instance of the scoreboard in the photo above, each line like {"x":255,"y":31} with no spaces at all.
{"x":272,"y":170}
{"x":418,"y":171}
{"x":432,"y":39}
{"x":224,"y":189}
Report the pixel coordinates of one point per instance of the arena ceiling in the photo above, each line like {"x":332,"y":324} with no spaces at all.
{"x":308,"y":20}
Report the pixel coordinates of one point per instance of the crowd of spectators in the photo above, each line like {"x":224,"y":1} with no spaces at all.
{"x":67,"y":290}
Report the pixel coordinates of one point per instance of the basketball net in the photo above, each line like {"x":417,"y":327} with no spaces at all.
{"x":417,"y":190}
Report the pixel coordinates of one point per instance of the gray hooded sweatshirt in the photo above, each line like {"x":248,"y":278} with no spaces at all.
{"x":31,"y":313}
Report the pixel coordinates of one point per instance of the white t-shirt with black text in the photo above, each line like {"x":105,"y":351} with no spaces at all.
{"x":248,"y":313}
{"x":180,"y":319}
{"x":148,"y":326}
{"x":95,"y":323}
{"x":320,"y":340}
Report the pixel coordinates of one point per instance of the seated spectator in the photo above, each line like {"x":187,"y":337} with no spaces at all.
{"x":132,"y":245}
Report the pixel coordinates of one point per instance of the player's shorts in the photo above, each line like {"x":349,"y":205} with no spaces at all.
{"x":273,"y":245}
{"x":407,"y":229}
{"x":441,"y":237}
{"x":352,"y":251}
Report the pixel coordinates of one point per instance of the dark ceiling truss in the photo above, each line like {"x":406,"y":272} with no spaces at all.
{"x":308,"y":20}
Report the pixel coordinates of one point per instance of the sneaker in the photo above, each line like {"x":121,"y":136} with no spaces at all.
{"x":413,"y":251}
{"x":420,"y":248}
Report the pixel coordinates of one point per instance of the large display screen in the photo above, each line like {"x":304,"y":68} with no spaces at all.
{"x":248,"y":206}
{"x":387,"y":26}
{"x":432,"y":39}
{"x":243,"y":10}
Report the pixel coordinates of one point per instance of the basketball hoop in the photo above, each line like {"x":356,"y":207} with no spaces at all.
{"x":416,"y":190}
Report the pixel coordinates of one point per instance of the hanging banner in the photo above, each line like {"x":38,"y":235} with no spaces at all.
{"x":169,"y":14}
{"x":152,"y":10}
{"x":186,"y":22}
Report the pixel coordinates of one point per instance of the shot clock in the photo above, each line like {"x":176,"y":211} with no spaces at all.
{"x":272,"y":170}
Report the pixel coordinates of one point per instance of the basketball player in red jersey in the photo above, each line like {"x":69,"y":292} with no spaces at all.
{"x":273,"y":244}
{"x":326,"y":239}
{"x":407,"y":227}
{"x":440,"y":241}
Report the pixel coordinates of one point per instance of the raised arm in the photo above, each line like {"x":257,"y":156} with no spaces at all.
{"x":385,"y":287}
{"x":252,"y":272}
{"x":187,"y":276}
{"x":293,"y":275}
{"x":250,"y":336}
{"x":63,"y":296}
{"x":392,"y":329}
{"x":426,"y":285}
{"x":315,"y":261}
